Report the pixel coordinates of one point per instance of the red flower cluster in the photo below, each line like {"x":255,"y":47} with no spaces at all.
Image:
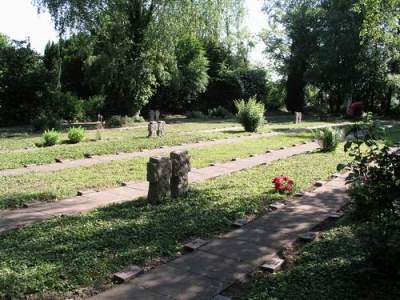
{"x":283,"y":184}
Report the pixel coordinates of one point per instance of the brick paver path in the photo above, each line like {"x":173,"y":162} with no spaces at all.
{"x":11,"y":219}
{"x":68,"y":164}
{"x":208,"y":271}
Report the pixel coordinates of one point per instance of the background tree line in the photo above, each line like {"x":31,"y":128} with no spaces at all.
{"x":120,"y":57}
{"x":332,"y":52}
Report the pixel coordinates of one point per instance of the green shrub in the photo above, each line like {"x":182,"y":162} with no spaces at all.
{"x":375,"y":195}
{"x":329,"y":139}
{"x":76,"y":135}
{"x":93,"y":106}
{"x":219,"y":112}
{"x":250,"y":114}
{"x":196,"y":115}
{"x":45,"y":120}
{"x":115,"y":122}
{"x":123,"y":121}
{"x":50,"y":137}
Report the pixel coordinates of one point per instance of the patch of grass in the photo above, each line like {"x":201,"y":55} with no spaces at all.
{"x":70,"y":253}
{"x":332,"y":268}
{"x":121,"y":141}
{"x":19,"y":190}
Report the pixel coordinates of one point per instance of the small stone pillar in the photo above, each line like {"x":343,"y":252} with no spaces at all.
{"x":157,"y":115}
{"x":161,"y":128}
{"x":159,"y":171}
{"x":151,"y":115}
{"x":153,"y":128}
{"x":180,"y":173}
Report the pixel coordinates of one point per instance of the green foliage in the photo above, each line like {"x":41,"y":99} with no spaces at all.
{"x":220,"y":112}
{"x":76,"y":135}
{"x":329,"y":138}
{"x":337,"y":267}
{"x":375,"y":192}
{"x":87,"y":243}
{"x":46,"y":120}
{"x":250,"y":114}
{"x":93,"y":106}
{"x":196,"y":114}
{"x":123,"y":121}
{"x":50,"y":137}
{"x":22,"y":83}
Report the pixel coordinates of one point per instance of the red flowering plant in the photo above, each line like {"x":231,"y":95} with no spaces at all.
{"x":283,"y":184}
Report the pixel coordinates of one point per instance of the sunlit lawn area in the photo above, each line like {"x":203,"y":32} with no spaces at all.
{"x":116,"y":140}
{"x":69,"y":253}
{"x":16,"y":191}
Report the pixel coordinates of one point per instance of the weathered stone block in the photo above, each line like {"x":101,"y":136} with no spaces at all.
{"x":159,"y":170}
{"x":181,"y":167}
{"x":308,"y":237}
{"x":153,"y":127}
{"x":196,"y":244}
{"x":161,"y":128}
{"x":129,"y":274}
{"x":273,"y":265}
{"x":277,"y":205}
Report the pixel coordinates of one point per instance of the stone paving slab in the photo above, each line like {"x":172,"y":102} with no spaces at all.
{"x":214,"y":267}
{"x":133,"y":190}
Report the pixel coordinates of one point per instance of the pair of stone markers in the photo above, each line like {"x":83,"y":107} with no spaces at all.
{"x":168,"y":176}
{"x":156,"y":127}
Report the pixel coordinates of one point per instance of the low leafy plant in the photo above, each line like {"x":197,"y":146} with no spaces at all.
{"x":375,"y":193}
{"x":122,"y":121}
{"x":76,"y":135}
{"x":283,"y":184}
{"x":250,"y":114}
{"x":329,"y":139}
{"x":196,"y":114}
{"x":45,"y":121}
{"x":219,"y":112}
{"x":50,"y":137}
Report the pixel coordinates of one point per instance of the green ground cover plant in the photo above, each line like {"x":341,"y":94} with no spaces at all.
{"x":114,"y":141}
{"x":57,"y":257}
{"x":335,"y":267}
{"x":19,"y":190}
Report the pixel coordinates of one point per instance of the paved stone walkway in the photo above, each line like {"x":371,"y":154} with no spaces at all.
{"x":208,"y":271}
{"x":68,"y":164}
{"x":11,"y":219}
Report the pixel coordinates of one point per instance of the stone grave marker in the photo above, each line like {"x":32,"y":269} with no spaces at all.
{"x":273,"y":265}
{"x":181,"y":167}
{"x":153,"y":128}
{"x":159,"y":170}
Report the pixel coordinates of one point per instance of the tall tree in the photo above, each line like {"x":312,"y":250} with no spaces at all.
{"x":135,"y":38}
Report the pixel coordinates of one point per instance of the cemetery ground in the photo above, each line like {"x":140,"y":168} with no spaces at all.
{"x":67,"y":254}
{"x":18,"y":147}
{"x":73,"y":256}
{"x":333,"y":267}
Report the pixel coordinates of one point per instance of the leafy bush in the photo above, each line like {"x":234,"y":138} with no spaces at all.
{"x":250,"y":114}
{"x":375,"y":193}
{"x":196,"y":115}
{"x":46,"y":120}
{"x":121,"y":121}
{"x":329,"y":138}
{"x":50,"y":137}
{"x":93,"y":106}
{"x":219,"y":112}
{"x":76,"y":135}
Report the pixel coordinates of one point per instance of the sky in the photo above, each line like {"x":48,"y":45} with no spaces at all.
{"x":20,"y":20}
